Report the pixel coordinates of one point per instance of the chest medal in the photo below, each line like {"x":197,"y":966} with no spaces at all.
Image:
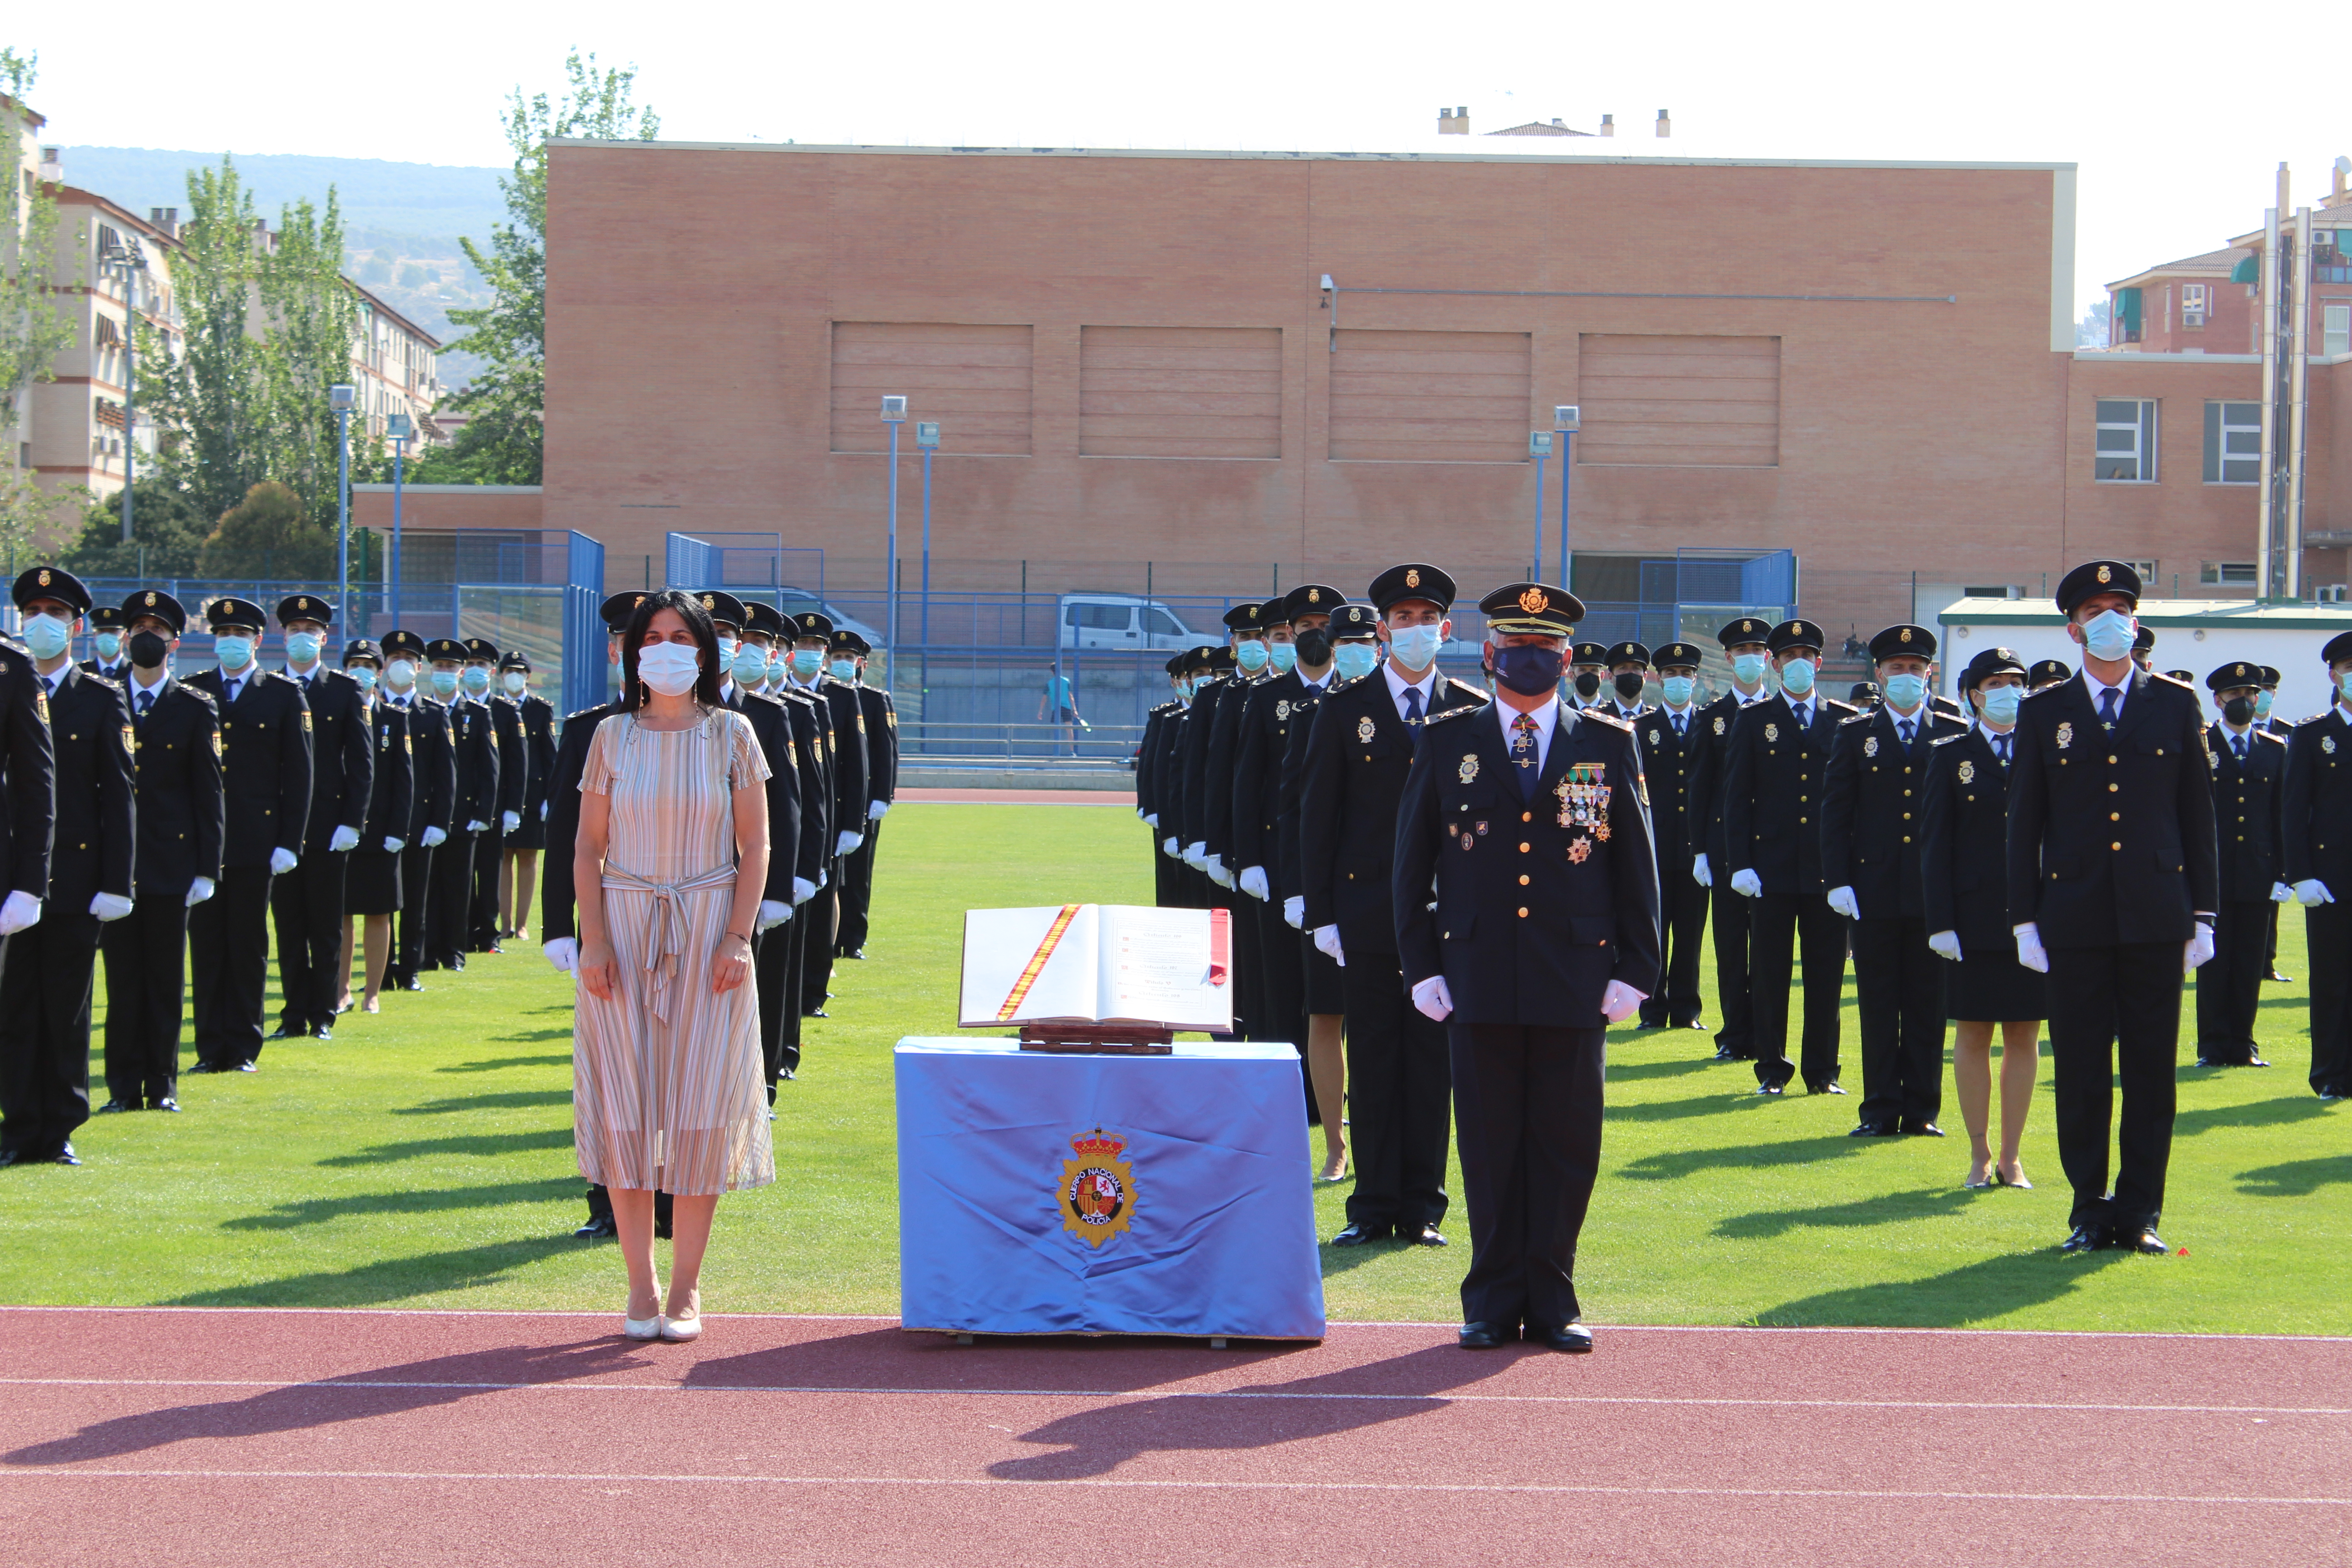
{"x":1583,"y":795}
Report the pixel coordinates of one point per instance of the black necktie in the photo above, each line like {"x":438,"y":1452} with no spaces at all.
{"x":2107,"y":701}
{"x":2238,"y":744}
{"x":146,"y":700}
{"x":1804,"y":716}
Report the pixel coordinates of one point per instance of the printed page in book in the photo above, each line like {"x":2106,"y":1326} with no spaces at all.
{"x":1167,"y":966}
{"x":1021,"y":966}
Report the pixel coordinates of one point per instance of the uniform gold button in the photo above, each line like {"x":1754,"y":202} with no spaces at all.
{"x":1523,"y":912}
{"x":2111,"y":759}
{"x":1802,"y":819}
{"x":2114,"y":846}
{"x":1522,"y":848}
{"x":1523,"y":879}
{"x":1524,"y":816}
{"x":2114,"y":816}
{"x":2112,"y":786}
{"x":1906,"y":838}
{"x":1907,"y":816}
{"x":1907,"y":792}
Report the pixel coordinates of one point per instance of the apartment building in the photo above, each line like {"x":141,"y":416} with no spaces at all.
{"x":398,"y":369}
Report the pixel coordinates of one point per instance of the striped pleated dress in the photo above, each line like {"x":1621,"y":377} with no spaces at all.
{"x":666,"y":1075}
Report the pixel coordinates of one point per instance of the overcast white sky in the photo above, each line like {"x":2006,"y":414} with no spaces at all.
{"x":2162,"y":105}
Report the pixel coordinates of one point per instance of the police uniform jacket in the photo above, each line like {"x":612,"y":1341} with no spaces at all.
{"x":852,"y":779}
{"x":473,"y":740}
{"x":392,"y":803}
{"x":1357,"y":756}
{"x":1217,"y":774}
{"x":539,"y":751}
{"x":342,"y":759}
{"x":807,"y":716}
{"x":1287,"y":874}
{"x":97,"y":834}
{"x":514,"y":758}
{"x":2246,"y":811}
{"x":1264,"y":736}
{"x":28,"y":786}
{"x":433,"y":769}
{"x":1871,"y":806}
{"x":1773,"y":777}
{"x":264,"y":753}
{"x":2101,"y":853}
{"x":1200,"y":730}
{"x":1710,"y":749}
{"x":881,"y":718}
{"x":772,"y":728}
{"x":176,"y":773}
{"x":1167,"y":774}
{"x":2315,"y":803}
{"x":558,"y":911}
{"x":1534,"y":911}
{"x":1147,"y":757}
{"x":1964,"y":843}
{"x":1668,"y":758}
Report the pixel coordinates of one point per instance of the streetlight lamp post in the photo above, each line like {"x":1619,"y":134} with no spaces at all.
{"x":894,"y":414}
{"x":1539,"y":447}
{"x":1566,"y":419}
{"x":340,"y":397}
{"x":926,"y":436}
{"x":128,"y":255}
{"x":400,"y":428}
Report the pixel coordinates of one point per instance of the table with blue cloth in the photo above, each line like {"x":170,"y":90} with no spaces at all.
{"x":1041,"y":1192}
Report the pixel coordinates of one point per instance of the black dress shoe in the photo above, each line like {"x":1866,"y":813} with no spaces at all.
{"x":2283,"y":979}
{"x":2086,"y":1238}
{"x":1923,"y":1130}
{"x":1870,"y":1130}
{"x":409,"y":983}
{"x":1832,"y":1087}
{"x":1483,"y":1336}
{"x":816,"y":1013}
{"x":1356,"y":1234}
{"x":1569,"y":1339}
{"x":286,"y":1032}
{"x":1771,"y":1088}
{"x":166,"y":1103}
{"x":245,"y":1067}
{"x":1689,"y":1023}
{"x":1429,"y":1236}
{"x":857,"y":953}
{"x":1725,"y":1054}
{"x":66,"y":1156}
{"x":205,"y":1067}
{"x":784,"y":1075}
{"x":2144,"y":1240}
{"x":323,"y":1032}
{"x":112,"y":1106}
{"x":600,"y":1227}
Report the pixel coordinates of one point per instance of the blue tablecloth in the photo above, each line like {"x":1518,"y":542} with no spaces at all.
{"x":1046,"y":1194}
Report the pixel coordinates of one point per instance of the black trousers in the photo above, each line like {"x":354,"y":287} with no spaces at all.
{"x":1167,"y":889}
{"x":1398,"y":1100}
{"x":822,"y":914}
{"x":1282,"y":985}
{"x":791,"y":985}
{"x":228,"y":950}
{"x":2328,"y":931}
{"x":1684,"y":904}
{"x":1250,"y":1022}
{"x":1898,"y":985}
{"x":482,"y":910}
{"x":2230,"y":983}
{"x":857,"y":892}
{"x":45,"y":972}
{"x":2270,"y":953}
{"x":415,"y":916}
{"x":770,"y":954}
{"x":307,"y":905}
{"x":448,"y":923}
{"x":1527,"y":1109}
{"x":1779,"y":924}
{"x":146,"y":991}
{"x":1732,"y":913}
{"x":2114,"y":1016}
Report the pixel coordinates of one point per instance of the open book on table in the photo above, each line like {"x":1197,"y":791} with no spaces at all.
{"x":1097,"y":963}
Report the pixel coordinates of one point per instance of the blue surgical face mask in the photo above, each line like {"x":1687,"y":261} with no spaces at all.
{"x":303,"y":647}
{"x":1797,"y":677}
{"x":1749,"y":667}
{"x":750,"y":666}
{"x":46,"y":635}
{"x":109,"y":645}
{"x":2344,"y":685}
{"x":807,"y":661}
{"x":2108,"y":635}
{"x":844,"y":668}
{"x":1677,"y":688}
{"x":726,"y":646}
{"x":1905,"y":690}
{"x":777,"y":664}
{"x":476,"y":680}
{"x":233,"y":652}
{"x":1251,"y":656}
{"x":1415,"y":647}
{"x":2001,"y":702}
{"x":2262,"y":701}
{"x":444,"y":683}
{"x":1355,"y":659}
{"x":364,"y":676}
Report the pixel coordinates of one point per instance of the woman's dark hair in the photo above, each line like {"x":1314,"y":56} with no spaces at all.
{"x":690,"y":609}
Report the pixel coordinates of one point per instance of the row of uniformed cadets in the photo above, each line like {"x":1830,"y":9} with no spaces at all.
{"x":830,"y":744}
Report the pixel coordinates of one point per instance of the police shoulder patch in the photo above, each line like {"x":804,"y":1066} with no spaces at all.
{"x":1444,"y":714}
{"x":1857,"y":718}
{"x":1610,"y":719}
{"x":200,"y":694}
{"x":1946,"y":740}
{"x":2271,"y":736}
{"x":2182,"y":685}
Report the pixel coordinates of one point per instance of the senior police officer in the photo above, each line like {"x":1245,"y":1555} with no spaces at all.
{"x":433,"y":798}
{"x":2112,"y":889}
{"x":1746,"y":645}
{"x":1526,"y":820}
{"x":45,"y":974}
{"x":179,"y":814}
{"x":306,"y":903}
{"x":2315,"y":834}
{"x":1871,"y":800}
{"x":265,"y":746}
{"x":2248,"y":765}
{"x":1671,"y":734}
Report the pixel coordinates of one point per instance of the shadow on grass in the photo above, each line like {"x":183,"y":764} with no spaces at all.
{"x":1660,"y":1069}
{"x":391,"y":1279}
{"x":484,"y":1146}
{"x":532,"y":1036}
{"x":433,"y":1200}
{"x":1889,"y":1208}
{"x":1727,"y":1103}
{"x":1973,"y":1293}
{"x":2253,"y":1113}
{"x":498,"y":1064}
{"x":512,"y":1100}
{"x":1673,"y":1163}
{"x":2296,"y":1178}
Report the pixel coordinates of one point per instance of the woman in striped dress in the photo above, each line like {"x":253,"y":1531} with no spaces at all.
{"x":669,"y":863}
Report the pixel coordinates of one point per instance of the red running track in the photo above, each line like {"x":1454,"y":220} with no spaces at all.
{"x":193,"y":1437}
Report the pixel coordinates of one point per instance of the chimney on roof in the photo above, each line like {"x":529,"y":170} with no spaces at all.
{"x":1665,"y":126}
{"x":1453,"y":122}
{"x":166,"y":219}
{"x":2343,"y":170}
{"x":53,"y":164}
{"x":1609,"y":125}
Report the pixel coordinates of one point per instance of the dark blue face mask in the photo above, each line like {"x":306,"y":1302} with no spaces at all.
{"x":1529,"y":670}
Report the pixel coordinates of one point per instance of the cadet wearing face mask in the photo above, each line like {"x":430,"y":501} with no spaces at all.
{"x":307,"y":902}
{"x":486,"y":927}
{"x":1629,"y":678}
{"x":1871,"y":832}
{"x":2315,"y":834}
{"x":1363,"y":741}
{"x":849,"y":653}
{"x":1777,"y":757}
{"x":474,"y":748}
{"x":845,"y":739}
{"x":2143,"y":649}
{"x":2248,"y":765}
{"x":45,"y":983}
{"x":1252,"y":625}
{"x":2112,"y":887}
{"x":433,"y":800}
{"x":1671,"y":735}
{"x":1168,"y":773}
{"x":110,"y":659}
{"x":264,"y":749}
{"x":176,"y":770}
{"x":1587,"y":672}
{"x":2044,"y":673}
{"x":519,"y":873}
{"x":1744,"y":643}
{"x":372,"y":879}
{"x":781,"y":959}
{"x":2266,"y":718}
{"x":1147,"y":774}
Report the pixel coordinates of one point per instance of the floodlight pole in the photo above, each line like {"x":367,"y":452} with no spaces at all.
{"x":1539,"y":447}
{"x":1567,"y":419}
{"x":894,"y":414}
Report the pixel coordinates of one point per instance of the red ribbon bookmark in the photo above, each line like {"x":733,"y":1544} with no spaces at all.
{"x":1221,"y":946}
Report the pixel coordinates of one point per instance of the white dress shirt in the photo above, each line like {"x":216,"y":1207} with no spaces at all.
{"x":1398,"y":686}
{"x":2099,"y":689}
{"x":1547,"y":720}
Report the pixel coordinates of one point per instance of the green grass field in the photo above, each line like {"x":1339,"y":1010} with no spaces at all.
{"x":423,"y":1158}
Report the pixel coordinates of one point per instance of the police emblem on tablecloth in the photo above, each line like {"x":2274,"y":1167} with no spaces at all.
{"x":2066,"y":735}
{"x":1364,"y":728}
{"x":1469,"y":769}
{"x":1772,"y":732}
{"x":1870,"y":747}
{"x":1097,"y":1193}
{"x":1968,"y":771}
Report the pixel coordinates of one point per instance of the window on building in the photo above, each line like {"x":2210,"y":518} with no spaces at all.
{"x":2227,"y":574}
{"x":2193,"y":298}
{"x":2336,"y":330}
{"x":2233,"y":443}
{"x":2125,"y":451}
{"x":2146,"y":570}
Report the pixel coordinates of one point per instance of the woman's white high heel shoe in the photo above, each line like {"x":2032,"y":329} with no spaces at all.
{"x":641,"y":1327}
{"x":679,"y":1330}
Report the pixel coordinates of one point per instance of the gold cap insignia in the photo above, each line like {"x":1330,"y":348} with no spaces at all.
{"x":150,"y":601}
{"x":1413,"y":578}
{"x":709,"y":603}
{"x":1534,"y":601}
{"x":45,"y":576}
{"x":2105,"y":575}
{"x":1906,"y":634}
{"x":1314,"y":596}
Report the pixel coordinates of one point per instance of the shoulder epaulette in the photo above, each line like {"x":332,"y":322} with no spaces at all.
{"x":2271,"y":735}
{"x":1460,"y":685}
{"x":2159,"y":675}
{"x":583,"y":713}
{"x":2048,"y":691}
{"x":1948,"y":740}
{"x":1830,"y":704}
{"x":199,"y":693}
{"x":1442,"y":714}
{"x":107,"y":681}
{"x":1857,"y":718}
{"x":1610,"y":719}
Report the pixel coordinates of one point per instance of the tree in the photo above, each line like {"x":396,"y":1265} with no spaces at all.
{"x":171,"y":542}
{"x":266,"y":535}
{"x":501,"y":443}
{"x":212,"y":397}
{"x":33,"y":331}
{"x":311,"y":321}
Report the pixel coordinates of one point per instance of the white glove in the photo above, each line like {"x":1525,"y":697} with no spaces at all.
{"x":848,"y":842}
{"x":564,"y":952}
{"x":1945,"y":945}
{"x":110,"y":907}
{"x":876,"y":809}
{"x":346,"y":837}
{"x":1254,"y":883}
{"x":2281,"y":893}
{"x":772,"y":914}
{"x":1217,"y":872}
{"x":1842,"y":900}
{"x":1168,"y":848}
{"x":1433,"y":998}
{"x":282,"y":861}
{"x":199,"y":891}
{"x":20,"y":911}
{"x":433,"y":838}
{"x":510,"y":820}
{"x":802,"y":889}
{"x":2312,"y":890}
{"x":1153,"y":819}
{"x":1293,"y":912}
{"x":1196,"y":855}
{"x":477,"y":826}
{"x":394,"y":845}
{"x":2030,"y":951}
{"x":1746,"y":884}
{"x":542,"y":810}
{"x":1328,"y":939}
{"x":1620,"y":1000}
{"x":822,"y":878}
{"x":2198,"y":948}
{"x":1699,"y":872}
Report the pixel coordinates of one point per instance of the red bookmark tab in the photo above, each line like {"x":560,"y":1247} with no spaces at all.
{"x":1221,"y":946}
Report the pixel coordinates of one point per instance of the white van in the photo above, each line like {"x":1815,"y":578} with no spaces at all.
{"x":1122,"y":620}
